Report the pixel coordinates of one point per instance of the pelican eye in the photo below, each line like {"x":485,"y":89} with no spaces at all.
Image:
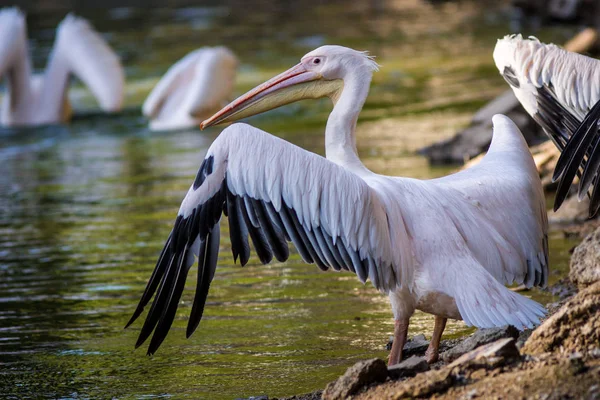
{"x":316,"y":61}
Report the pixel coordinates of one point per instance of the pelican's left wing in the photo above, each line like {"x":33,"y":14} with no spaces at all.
{"x":274,"y":192}
{"x":499,"y":208}
{"x":81,"y":50}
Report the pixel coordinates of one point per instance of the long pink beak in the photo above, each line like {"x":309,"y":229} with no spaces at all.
{"x":233,"y":111}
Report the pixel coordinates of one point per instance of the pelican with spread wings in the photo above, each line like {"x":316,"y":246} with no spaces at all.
{"x":445,"y":246}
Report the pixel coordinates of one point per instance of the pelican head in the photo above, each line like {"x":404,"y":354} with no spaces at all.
{"x":320,"y":73}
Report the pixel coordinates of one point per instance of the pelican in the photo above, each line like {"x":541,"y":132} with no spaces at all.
{"x":192,"y":89}
{"x":42,"y":99}
{"x":560,"y":90}
{"x":444,"y":246}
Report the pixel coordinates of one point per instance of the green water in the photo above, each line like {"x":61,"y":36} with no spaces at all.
{"x":85,"y":208}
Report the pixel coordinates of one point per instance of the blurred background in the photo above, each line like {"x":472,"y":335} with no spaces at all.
{"x":85,"y":207}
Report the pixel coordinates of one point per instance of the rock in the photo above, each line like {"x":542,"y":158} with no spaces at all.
{"x":316,"y":395}
{"x":476,"y":138}
{"x":409,"y":367}
{"x":438,"y":381}
{"x":359,"y":375}
{"x":574,"y":327}
{"x":479,"y":338}
{"x":585,"y":262}
{"x":562,"y":289}
{"x":522,"y":338}
{"x":489,"y":356}
{"x":416,"y":345}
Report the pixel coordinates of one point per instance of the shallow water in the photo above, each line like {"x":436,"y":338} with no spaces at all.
{"x":85,"y":208}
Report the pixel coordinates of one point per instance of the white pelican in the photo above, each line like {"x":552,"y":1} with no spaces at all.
{"x":192,"y":89}
{"x":444,"y":246}
{"x":560,"y":90}
{"x":42,"y":99}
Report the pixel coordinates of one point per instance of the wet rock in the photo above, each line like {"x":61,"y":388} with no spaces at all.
{"x":416,"y":345}
{"x":316,"y":395}
{"x":489,"y":356}
{"x":574,"y":327}
{"x":356,"y":377}
{"x":409,"y":367}
{"x":476,"y":138}
{"x":585,"y":262}
{"x":479,"y":338}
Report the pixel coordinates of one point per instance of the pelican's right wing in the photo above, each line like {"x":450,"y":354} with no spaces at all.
{"x":82,"y":51}
{"x":274,"y":192}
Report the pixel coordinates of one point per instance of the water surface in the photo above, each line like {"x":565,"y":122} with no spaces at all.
{"x":85,"y":208}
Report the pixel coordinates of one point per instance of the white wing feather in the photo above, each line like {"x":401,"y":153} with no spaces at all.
{"x":90,"y":59}
{"x":14,"y":62}
{"x":198,"y":84}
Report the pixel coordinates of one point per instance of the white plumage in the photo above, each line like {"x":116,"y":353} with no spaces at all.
{"x":558,"y":89}
{"x":192,"y":89}
{"x":42,"y":99}
{"x":445,"y":246}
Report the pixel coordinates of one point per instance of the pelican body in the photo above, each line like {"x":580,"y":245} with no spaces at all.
{"x":192,"y":89}
{"x":444,"y":246}
{"x":560,"y":90}
{"x":42,"y":99}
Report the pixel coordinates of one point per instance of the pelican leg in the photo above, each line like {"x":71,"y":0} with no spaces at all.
{"x":431,"y":355}
{"x":400,"y":331}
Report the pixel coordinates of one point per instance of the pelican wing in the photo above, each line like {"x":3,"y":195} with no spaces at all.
{"x":84,"y":53}
{"x":498,"y":206}
{"x":559,"y":89}
{"x":177,"y":77}
{"x":13,"y":48}
{"x":274,"y":192}
{"x":201,"y":82}
{"x":497,"y":209}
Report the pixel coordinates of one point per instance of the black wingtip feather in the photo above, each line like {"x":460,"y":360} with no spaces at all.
{"x":207,"y":264}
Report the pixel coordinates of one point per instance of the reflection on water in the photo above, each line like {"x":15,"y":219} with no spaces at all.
{"x":84,"y":209}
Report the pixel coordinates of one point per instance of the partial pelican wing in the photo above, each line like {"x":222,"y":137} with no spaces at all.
{"x":13,"y":52}
{"x":558,"y":89}
{"x":177,"y":76}
{"x":511,"y":243}
{"x":88,"y":56}
{"x":498,"y":209}
{"x":201,"y":82}
{"x":215,"y":77}
{"x":278,"y":194}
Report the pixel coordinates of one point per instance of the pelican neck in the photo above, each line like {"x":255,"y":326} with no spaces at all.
{"x":340,"y":133}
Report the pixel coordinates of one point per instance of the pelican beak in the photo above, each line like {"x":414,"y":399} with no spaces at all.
{"x":295,"y":84}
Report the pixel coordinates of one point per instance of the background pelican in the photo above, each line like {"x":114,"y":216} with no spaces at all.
{"x":443,"y":246}
{"x":192,"y":89}
{"x":559,"y":89}
{"x":42,"y":99}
